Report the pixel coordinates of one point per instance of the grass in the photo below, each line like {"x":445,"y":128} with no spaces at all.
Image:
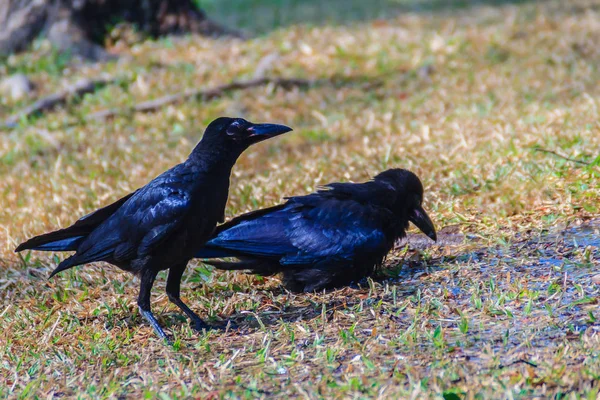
{"x":464,"y":99}
{"x":261,"y":16}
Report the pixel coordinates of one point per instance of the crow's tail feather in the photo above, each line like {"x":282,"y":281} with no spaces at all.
{"x":68,"y":239}
{"x":61,"y":240}
{"x":209,"y":252}
{"x":65,"y":264}
{"x":252,"y":266}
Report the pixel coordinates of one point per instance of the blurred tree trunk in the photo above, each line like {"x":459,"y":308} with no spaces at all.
{"x":80,"y":26}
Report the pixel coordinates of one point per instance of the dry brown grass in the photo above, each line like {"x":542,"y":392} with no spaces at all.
{"x":462,"y":99}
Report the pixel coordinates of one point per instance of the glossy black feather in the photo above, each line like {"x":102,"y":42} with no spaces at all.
{"x":163,"y":224}
{"x":322,"y":240}
{"x":83,"y":227}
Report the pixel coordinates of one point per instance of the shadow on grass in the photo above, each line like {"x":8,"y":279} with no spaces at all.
{"x":261,"y":16}
{"x":324,"y":305}
{"x":542,"y":260}
{"x":536,"y":263}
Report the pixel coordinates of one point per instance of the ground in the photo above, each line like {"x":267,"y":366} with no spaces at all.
{"x":494,"y":105}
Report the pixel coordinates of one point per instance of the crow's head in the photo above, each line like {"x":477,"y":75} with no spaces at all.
{"x":239,"y":133}
{"x":408,"y":203}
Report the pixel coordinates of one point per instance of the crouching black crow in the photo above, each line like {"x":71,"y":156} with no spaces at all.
{"x":327,"y":239}
{"x":163,"y":224}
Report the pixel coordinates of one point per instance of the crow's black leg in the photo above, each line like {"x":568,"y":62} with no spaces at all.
{"x":173,"y":291}
{"x":148,"y":277}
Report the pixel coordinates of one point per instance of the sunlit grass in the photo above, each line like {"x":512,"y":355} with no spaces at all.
{"x":465,"y":99}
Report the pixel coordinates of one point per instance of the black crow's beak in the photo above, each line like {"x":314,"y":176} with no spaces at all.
{"x":265,"y":131}
{"x":419,"y":217}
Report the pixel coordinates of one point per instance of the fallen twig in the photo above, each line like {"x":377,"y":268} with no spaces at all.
{"x":50,"y":102}
{"x":204,"y":94}
{"x":88,"y":86}
{"x":561,"y":156}
{"x":519,"y":361}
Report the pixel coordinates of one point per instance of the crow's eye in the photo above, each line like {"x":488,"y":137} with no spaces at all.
{"x":233,"y":129}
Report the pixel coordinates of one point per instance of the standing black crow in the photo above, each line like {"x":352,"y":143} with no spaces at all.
{"x":163,"y":224}
{"x":326,"y":239}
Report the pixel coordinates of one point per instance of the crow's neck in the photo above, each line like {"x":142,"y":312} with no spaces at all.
{"x":210,"y":156}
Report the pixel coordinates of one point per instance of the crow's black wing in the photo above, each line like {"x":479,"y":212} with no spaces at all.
{"x":258,"y":233}
{"x":305,"y":230}
{"x":141,"y":224}
{"x":336,"y":230}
